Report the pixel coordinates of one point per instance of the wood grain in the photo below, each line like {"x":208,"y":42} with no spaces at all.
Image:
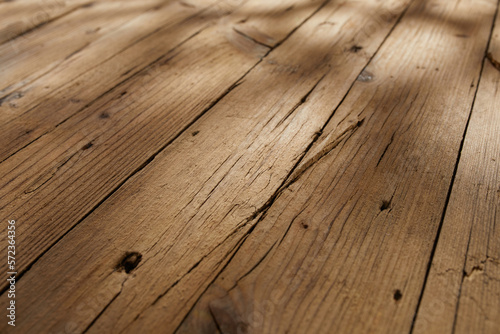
{"x":56,"y":181}
{"x":78,"y":81}
{"x":345,"y":246}
{"x":462,"y":294}
{"x":22,"y":16}
{"x":29,"y":58}
{"x":190,"y":207}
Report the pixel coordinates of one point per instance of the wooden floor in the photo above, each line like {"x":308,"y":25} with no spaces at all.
{"x":251,"y":166}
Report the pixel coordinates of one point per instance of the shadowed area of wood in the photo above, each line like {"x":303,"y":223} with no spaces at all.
{"x":251,"y":166}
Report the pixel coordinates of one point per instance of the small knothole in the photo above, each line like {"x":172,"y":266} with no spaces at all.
{"x":104,"y":115}
{"x":305,"y":226}
{"x":385,"y":205}
{"x":355,"y":48}
{"x":28,"y":131}
{"x":195,"y":133}
{"x":129,"y":262}
{"x":397,"y":295}
{"x":123,"y":93}
{"x":87,"y":146}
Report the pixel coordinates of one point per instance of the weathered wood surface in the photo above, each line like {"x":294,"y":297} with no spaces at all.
{"x":42,"y":51}
{"x":462,"y":293}
{"x":346,"y":245}
{"x":249,"y":162}
{"x":254,"y":166}
{"x":79,"y":78}
{"x":21,"y":16}
{"x":89,"y":155}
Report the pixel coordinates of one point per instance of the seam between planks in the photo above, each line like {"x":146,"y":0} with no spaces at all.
{"x":77,"y":51}
{"x":151,"y":158}
{"x":138,"y":40}
{"x":258,"y":212}
{"x":286,"y":182}
{"x":41,"y":24}
{"x":89,"y":104}
{"x":450,"y":190}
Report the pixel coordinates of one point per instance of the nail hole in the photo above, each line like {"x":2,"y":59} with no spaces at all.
{"x":305,"y":226}
{"x":104,"y":115}
{"x":397,"y":295}
{"x":129,"y":262}
{"x":87,"y":146}
{"x":355,"y":48}
{"x":385,"y":205}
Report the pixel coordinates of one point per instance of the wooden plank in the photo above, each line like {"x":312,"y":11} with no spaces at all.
{"x":21,"y":16}
{"x":78,"y":81}
{"x":345,"y":246}
{"x":56,"y":181}
{"x":28,"y":58}
{"x":187,"y":210}
{"x":462,"y":293}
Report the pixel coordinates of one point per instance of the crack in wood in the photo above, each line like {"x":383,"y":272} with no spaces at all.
{"x":12,"y":96}
{"x":142,"y":71}
{"x":105,"y":308}
{"x":46,"y":177}
{"x":331,"y":144}
{"x":493,"y":61}
{"x":251,"y":38}
{"x":386,"y":148}
{"x":302,"y":101}
{"x":327,"y":149}
{"x":450,"y":189}
{"x":41,"y":24}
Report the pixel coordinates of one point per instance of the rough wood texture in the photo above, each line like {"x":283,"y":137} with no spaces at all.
{"x":91,"y":151}
{"x":22,"y":16}
{"x":462,"y":293}
{"x":253,"y":166}
{"x":346,"y":245}
{"x":79,"y":80}
{"x":41,"y":52}
{"x":254,"y":149}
